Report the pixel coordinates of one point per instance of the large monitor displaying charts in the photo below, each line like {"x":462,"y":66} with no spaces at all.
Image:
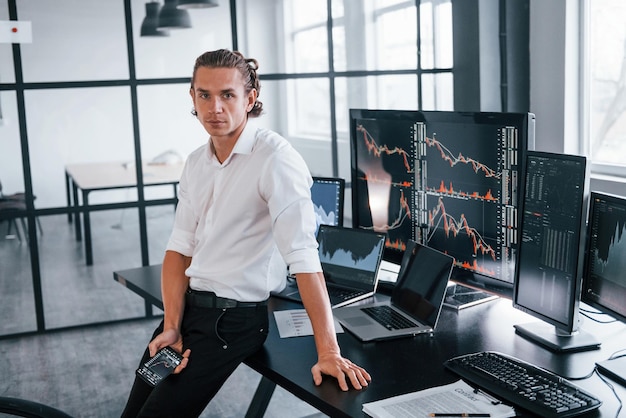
{"x":604,"y":283}
{"x":604,"y":278}
{"x":551,"y":252}
{"x":449,"y":180}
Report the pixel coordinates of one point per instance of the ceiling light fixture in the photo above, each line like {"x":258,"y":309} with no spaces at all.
{"x":170,"y":17}
{"x":196,"y":4}
{"x":149,"y":26}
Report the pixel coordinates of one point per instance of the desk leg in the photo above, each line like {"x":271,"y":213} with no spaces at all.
{"x":175,"y":195}
{"x":68,"y":195}
{"x":76,"y":214}
{"x":87,"y":228}
{"x":148,"y":307}
{"x":261,"y":398}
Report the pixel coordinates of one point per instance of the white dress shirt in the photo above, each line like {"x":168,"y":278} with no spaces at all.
{"x":236,"y":218}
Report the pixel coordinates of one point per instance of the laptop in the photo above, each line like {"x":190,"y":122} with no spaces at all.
{"x":415,"y":303}
{"x":350,"y":260}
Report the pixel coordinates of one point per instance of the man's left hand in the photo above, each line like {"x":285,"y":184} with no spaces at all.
{"x":341,"y":369}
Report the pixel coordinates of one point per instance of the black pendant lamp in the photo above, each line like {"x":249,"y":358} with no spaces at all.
{"x":170,"y":17}
{"x":196,"y":4}
{"x":150,"y":24}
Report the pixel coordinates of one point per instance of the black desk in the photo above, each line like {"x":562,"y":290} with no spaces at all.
{"x":403,"y":365}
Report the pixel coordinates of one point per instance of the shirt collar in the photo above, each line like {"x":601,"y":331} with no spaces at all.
{"x":246,"y":140}
{"x":244,"y":143}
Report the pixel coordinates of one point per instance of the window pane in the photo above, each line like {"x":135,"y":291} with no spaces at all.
{"x":309,"y":51}
{"x":175,"y":54}
{"x":7,"y":74}
{"x":16,"y":282}
{"x":309,"y":108}
{"x":260,"y":33}
{"x":436,"y":34}
{"x":17,"y":308}
{"x":95,"y":296}
{"x":374,"y":92}
{"x":74,"y":40}
{"x":381,"y":35}
{"x":396,"y":34}
{"x":296,"y":108}
{"x":285,"y":36}
{"x":299,"y":110}
{"x":70,"y":126}
{"x":273,"y":96}
{"x":166,"y":123}
{"x":437,"y":92}
{"x":306,"y":43}
{"x":607,"y":49}
{"x":11,"y":171}
{"x":160,"y":221}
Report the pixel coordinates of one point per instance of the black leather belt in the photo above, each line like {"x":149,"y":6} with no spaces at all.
{"x":201,"y":299}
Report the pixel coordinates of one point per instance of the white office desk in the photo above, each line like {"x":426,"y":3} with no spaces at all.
{"x":91,"y":177}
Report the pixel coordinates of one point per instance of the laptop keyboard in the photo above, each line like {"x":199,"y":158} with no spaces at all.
{"x":337,"y":294}
{"x":387,"y":317}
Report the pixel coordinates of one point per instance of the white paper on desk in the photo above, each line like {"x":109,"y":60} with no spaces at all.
{"x":456,"y":397}
{"x":296,"y":323}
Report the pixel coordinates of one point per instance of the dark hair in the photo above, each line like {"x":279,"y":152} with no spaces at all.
{"x":223,"y":58}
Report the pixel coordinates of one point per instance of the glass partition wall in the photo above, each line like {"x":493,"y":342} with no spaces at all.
{"x":87,"y":100}
{"x":92,"y":101}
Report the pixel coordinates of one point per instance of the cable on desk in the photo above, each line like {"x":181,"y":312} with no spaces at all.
{"x":587,"y":313}
{"x":610,"y":385}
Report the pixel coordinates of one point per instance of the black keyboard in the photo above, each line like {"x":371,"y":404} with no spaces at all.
{"x":524,"y":385}
{"x":387,"y":317}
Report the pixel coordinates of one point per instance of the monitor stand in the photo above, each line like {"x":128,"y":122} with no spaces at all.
{"x":551,"y":338}
{"x":460,"y":297}
{"x":614,"y":369}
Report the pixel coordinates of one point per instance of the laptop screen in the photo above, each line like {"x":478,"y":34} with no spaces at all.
{"x":422,"y":296}
{"x":327,"y":194}
{"x":350,"y":256}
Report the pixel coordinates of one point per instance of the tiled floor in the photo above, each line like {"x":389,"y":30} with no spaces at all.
{"x":87,"y":371}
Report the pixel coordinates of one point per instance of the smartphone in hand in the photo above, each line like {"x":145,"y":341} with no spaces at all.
{"x":160,"y":366}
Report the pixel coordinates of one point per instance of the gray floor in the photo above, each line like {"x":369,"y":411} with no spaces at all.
{"x":87,"y":371}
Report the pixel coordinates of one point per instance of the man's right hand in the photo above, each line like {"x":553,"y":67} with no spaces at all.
{"x":172,"y":338}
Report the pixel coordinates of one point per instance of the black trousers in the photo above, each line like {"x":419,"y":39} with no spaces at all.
{"x":220,"y":340}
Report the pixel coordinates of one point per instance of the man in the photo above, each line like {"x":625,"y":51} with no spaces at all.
{"x":244,"y":203}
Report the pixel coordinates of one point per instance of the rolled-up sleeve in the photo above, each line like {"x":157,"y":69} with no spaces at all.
{"x":287,"y":187}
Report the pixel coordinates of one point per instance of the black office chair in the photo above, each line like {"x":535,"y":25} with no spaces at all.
{"x":13,"y":207}
{"x":24,"y":408}
{"x":15,"y":196}
{"x":10,"y":211}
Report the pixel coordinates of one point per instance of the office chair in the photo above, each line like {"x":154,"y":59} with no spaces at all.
{"x":24,"y":408}
{"x":10,"y":211}
{"x":15,"y":196}
{"x":12,"y":207}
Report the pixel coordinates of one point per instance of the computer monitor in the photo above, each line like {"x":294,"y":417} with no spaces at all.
{"x":327,"y":194}
{"x":604,"y":281}
{"x":550,"y":259}
{"x":449,"y":180}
